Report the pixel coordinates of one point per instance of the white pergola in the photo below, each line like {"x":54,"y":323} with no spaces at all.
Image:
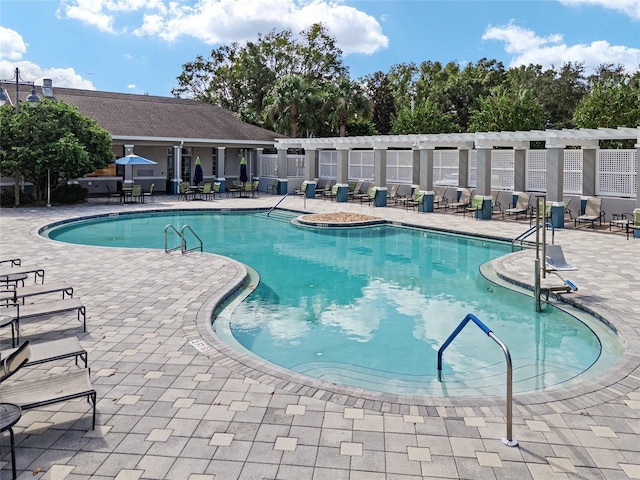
{"x":423,"y":146}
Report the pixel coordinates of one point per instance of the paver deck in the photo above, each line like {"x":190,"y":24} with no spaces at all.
{"x":175,"y":403}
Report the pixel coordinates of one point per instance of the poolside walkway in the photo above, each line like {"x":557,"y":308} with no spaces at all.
{"x":171,"y":409}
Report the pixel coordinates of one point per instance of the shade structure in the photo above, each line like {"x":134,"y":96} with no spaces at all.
{"x":198,"y":175}
{"x":243,"y":170}
{"x":128,"y":161}
{"x":132,"y":159}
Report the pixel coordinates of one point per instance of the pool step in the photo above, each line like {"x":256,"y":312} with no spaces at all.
{"x":282,"y":215}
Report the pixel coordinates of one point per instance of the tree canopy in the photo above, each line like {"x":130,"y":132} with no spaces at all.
{"x":51,"y":139}
{"x":256,"y":80}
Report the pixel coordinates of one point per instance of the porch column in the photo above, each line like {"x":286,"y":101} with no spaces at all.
{"x":555,"y":177}
{"x":342,"y":175}
{"x":282,"y":173}
{"x":222,"y":169}
{"x":519,"y":170}
{"x":483,"y":182}
{"x":177,"y":168}
{"x":589,"y":171}
{"x":380,"y":176}
{"x":425,"y":176}
{"x":310,"y":171}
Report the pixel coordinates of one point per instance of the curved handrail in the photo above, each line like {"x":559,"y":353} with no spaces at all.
{"x":166,"y":238}
{"x":184,"y":241}
{"x":531,"y":230}
{"x":279,"y":202}
{"x":508,"y":440}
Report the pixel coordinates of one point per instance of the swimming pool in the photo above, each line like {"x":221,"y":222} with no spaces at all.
{"x":369,"y":307}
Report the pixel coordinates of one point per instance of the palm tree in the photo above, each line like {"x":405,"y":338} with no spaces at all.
{"x":344,"y":100}
{"x":288,"y":105}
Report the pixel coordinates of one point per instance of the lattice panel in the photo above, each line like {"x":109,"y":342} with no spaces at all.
{"x":295,"y":165}
{"x":445,"y":162}
{"x":502,"y":168}
{"x":572,"y":176}
{"x":400,"y":166}
{"x":361,"y":165}
{"x":327,"y":163}
{"x":473,"y":168}
{"x":536,"y":173}
{"x":616,"y":173}
{"x":268,"y":165}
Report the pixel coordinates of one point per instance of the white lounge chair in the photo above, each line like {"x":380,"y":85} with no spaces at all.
{"x":592,"y":212}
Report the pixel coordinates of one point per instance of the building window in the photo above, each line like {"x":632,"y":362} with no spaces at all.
{"x":186,"y":165}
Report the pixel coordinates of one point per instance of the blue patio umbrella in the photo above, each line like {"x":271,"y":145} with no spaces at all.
{"x":129,"y":160}
{"x":198,"y":176}
{"x":243,"y":170}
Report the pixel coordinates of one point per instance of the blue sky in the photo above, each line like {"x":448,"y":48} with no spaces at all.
{"x":139,"y":46}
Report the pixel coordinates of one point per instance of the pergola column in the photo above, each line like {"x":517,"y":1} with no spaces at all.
{"x":310,"y":171}
{"x":589,"y":171}
{"x":519,"y":170}
{"x":425,"y":176}
{"x":222,"y":169}
{"x":342,"y":175}
{"x":282,"y":172}
{"x":555,"y":180}
{"x":483,"y":182}
{"x":177,"y":167}
{"x":636,"y":211}
{"x":380,"y":175}
{"x":463,"y":167}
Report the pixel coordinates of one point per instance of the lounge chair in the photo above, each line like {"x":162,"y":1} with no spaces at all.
{"x":19,"y":312}
{"x":542,"y":215}
{"x":369,"y":197}
{"x":273,"y":188}
{"x":15,"y":262}
{"x":50,"y":351}
{"x":555,"y":263}
{"x":592,"y":212}
{"x":356,"y":190}
{"x":363,"y":191}
{"x":302,"y":191}
{"x":463,"y":202}
{"x":392,"y":192}
{"x":14,"y":295}
{"x":521,"y":207}
{"x":415,"y":201}
{"x":403,"y":193}
{"x":439,"y":197}
{"x":331,"y":194}
{"x":45,"y":389}
{"x":475,"y":206}
{"x":38,"y":273}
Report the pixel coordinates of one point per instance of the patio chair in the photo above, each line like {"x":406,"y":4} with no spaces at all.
{"x":403,"y":193}
{"x":369,"y":197}
{"x":331,"y":194}
{"x":439,"y":197}
{"x":255,"y":188}
{"x":149,"y":194}
{"x":44,"y":389}
{"x":521,"y":207}
{"x":415,"y":201}
{"x":273,"y":188}
{"x":592,"y":212}
{"x":475,"y":206}
{"x":543,"y":216}
{"x":207,"y":190}
{"x":216,"y":190}
{"x":302,"y":191}
{"x":463,"y":201}
{"x":136,"y":194}
{"x":184,"y":190}
{"x":362,"y":191}
{"x":355,"y":190}
{"x":392,"y":192}
{"x":111,"y":194}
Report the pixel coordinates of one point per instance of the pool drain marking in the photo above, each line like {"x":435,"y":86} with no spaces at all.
{"x":199,"y":345}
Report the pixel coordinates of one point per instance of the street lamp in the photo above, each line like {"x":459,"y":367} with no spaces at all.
{"x":32,"y":100}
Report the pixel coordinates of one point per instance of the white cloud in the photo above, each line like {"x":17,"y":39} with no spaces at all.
{"x":11,"y":58}
{"x":226,"y":21}
{"x":630,"y":8}
{"x":12,"y":47}
{"x":528,"y":48}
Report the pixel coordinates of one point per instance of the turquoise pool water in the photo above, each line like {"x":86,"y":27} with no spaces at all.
{"x":369,"y":307}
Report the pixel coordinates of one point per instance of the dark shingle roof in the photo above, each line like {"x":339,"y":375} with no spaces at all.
{"x":127,"y":115}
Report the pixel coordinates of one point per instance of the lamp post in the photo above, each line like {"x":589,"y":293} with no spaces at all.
{"x":31,"y":99}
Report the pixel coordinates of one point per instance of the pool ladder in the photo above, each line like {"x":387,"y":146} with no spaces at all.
{"x":183,"y":241}
{"x":508,"y":440}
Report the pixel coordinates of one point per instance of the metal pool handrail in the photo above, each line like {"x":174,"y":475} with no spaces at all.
{"x":183,"y":242}
{"x":508,"y":440}
{"x":279,"y":202}
{"x":532,"y":230}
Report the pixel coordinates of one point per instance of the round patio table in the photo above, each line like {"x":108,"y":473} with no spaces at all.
{"x":9,"y":416}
